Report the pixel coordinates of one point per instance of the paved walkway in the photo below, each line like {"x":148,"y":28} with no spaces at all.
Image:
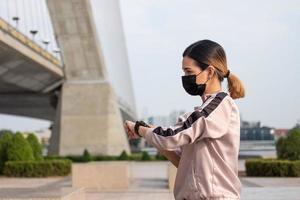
{"x":149,"y":182}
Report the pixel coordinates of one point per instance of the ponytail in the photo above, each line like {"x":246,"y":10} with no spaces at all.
{"x":235,"y":87}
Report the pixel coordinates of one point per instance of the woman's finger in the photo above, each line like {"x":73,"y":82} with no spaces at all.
{"x":126,"y":129}
{"x":130,"y":134}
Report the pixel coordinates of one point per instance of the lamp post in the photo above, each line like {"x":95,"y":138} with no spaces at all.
{"x":33,"y":33}
{"x":16,"y":20}
{"x":46,"y":43}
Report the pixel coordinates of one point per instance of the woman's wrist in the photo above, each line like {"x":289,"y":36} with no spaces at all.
{"x":138,"y":126}
{"x":143,"y":130}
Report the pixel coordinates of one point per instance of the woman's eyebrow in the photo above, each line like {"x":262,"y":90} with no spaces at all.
{"x":186,"y":67}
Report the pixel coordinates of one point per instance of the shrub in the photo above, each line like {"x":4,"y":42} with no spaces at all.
{"x":19,"y":149}
{"x":42,"y":168}
{"x":53,"y":157}
{"x":86,"y":157}
{"x":35,"y":146}
{"x":5,"y":139}
{"x":140,"y":156}
{"x":123,"y":156}
{"x":6,"y":131}
{"x":288,"y":147}
{"x":159,"y":156}
{"x":135,"y":156}
{"x":272,"y":167}
{"x":73,"y":158}
{"x":145,"y":156}
{"x":295,"y":168}
{"x":105,"y":158}
{"x":79,"y":159}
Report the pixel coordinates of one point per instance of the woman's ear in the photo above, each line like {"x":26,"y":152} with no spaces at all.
{"x":210,"y":71}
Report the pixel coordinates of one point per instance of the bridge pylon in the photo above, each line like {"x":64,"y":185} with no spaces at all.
{"x":87,"y":114}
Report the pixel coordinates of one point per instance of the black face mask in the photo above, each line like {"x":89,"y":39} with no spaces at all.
{"x":190,"y":85}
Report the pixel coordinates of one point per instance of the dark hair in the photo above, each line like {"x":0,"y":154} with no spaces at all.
{"x":207,"y":52}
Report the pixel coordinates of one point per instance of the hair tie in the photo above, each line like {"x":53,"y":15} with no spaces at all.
{"x":227,"y":74}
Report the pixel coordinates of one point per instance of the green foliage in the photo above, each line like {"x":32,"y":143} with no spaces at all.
{"x":19,"y":149}
{"x":5,"y":131}
{"x":138,"y":156}
{"x":105,"y":158}
{"x":123,"y":156}
{"x":288,"y":147}
{"x":35,"y":146}
{"x":135,"y":156}
{"x":272,"y":167}
{"x":159,"y":156}
{"x":42,"y":168}
{"x":74,"y":158}
{"x":86,"y":157}
{"x":145,"y":156}
{"x":5,"y":139}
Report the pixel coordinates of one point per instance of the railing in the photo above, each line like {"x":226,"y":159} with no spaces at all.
{"x":257,"y":145}
{"x":7,"y":28}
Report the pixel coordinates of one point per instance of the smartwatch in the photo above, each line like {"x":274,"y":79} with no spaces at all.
{"x":137,"y":125}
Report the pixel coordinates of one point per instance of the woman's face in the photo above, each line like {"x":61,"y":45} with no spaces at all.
{"x":189,"y":67}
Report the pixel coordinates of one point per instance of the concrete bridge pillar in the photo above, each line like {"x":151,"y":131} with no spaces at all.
{"x":88,"y":116}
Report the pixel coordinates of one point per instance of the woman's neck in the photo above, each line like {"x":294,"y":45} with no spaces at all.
{"x":212,"y":89}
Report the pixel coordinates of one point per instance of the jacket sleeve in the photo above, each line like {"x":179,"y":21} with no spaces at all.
{"x":179,"y":123}
{"x":210,"y":122}
{"x":178,"y":151}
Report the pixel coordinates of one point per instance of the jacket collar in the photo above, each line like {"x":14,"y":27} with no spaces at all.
{"x":207,"y":96}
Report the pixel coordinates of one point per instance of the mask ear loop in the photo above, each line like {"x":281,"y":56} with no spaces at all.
{"x":208,"y":77}
{"x":207,"y":80}
{"x":199,"y":72}
{"x":215,"y":72}
{"x":205,"y":67}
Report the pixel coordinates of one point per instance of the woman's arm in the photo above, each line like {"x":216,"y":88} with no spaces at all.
{"x":213,"y":121}
{"x":171,"y":156}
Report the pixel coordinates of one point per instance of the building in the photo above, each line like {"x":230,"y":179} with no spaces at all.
{"x":278,"y":133}
{"x":254,"y":131}
{"x":256,"y":140}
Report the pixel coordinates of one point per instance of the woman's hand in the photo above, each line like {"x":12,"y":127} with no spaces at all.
{"x":151,"y":126}
{"x":129,"y":128}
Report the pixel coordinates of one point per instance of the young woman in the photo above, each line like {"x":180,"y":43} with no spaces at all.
{"x":204,"y":143}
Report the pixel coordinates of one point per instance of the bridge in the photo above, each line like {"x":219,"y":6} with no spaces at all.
{"x":29,"y":76}
{"x":77,"y":86}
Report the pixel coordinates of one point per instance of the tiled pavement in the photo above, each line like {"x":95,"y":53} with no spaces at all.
{"x":149,"y":181}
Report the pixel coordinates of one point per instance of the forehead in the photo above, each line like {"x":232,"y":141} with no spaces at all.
{"x":188,"y":62}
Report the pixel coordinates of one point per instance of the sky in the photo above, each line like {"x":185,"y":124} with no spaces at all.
{"x":261,"y":40}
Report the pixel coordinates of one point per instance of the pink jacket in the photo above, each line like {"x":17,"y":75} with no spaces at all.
{"x":207,"y":141}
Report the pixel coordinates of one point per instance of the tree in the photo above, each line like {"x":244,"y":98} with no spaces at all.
{"x":86,"y":157}
{"x":4,"y":131}
{"x":5,"y":139}
{"x":19,"y":149}
{"x":35,"y":146}
{"x":145,"y":156}
{"x":123,"y":156}
{"x":288,"y":147}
